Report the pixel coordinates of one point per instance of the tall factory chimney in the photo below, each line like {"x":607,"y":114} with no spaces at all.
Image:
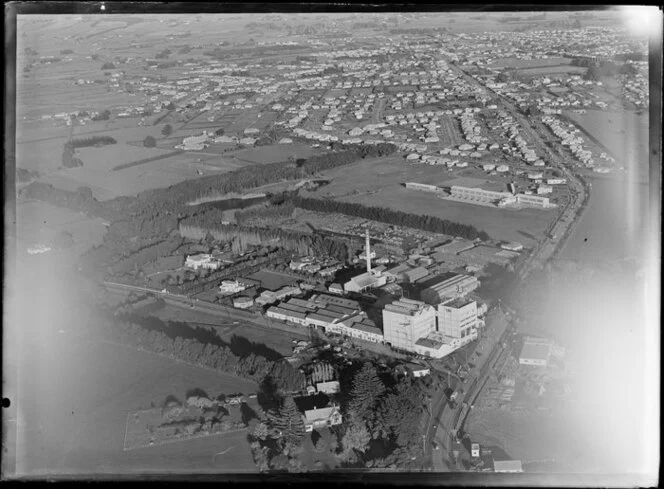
{"x":367,"y":250}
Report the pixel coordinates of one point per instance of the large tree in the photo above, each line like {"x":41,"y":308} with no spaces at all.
{"x":288,"y":422}
{"x":367,"y":389}
{"x":356,"y":438}
{"x":399,"y":414}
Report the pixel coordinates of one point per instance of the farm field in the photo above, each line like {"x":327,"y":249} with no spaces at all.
{"x":553,"y":69}
{"x":74,"y":414}
{"x":529,"y":63}
{"x":39,"y":223}
{"x":274,"y":153}
{"x":623,"y":133}
{"x":106,"y":184}
{"x":378,"y":182}
{"x":45,"y":155}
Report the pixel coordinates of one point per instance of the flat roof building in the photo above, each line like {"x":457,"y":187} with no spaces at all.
{"x":535,"y":351}
{"x":405,"y":321}
{"x":457,"y":318}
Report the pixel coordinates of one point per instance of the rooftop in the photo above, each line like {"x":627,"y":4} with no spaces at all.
{"x":458,"y":303}
{"x":476,"y":183}
{"x":532,"y":351}
{"x":406,"y":306}
{"x":429,"y":343}
{"x":364,"y":280}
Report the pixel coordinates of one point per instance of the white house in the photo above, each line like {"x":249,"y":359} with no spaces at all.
{"x":322,"y":418}
{"x":201,"y":260}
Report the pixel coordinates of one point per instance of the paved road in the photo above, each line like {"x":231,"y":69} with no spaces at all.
{"x":446,"y":417}
{"x":537,"y":133}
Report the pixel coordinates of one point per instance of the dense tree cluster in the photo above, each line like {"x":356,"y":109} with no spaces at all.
{"x":150,"y":142}
{"x":197,"y":227}
{"x":23,"y":175}
{"x":145,"y":255}
{"x":82,"y":200}
{"x":257,"y":175}
{"x":209,"y":355}
{"x":389,"y":414}
{"x":267,"y":213}
{"x":287,"y":421}
{"x":147,"y":160}
{"x":389,"y":216}
{"x":90,"y":141}
{"x":104,"y":115}
{"x":366,"y":392}
{"x":107,"y":66}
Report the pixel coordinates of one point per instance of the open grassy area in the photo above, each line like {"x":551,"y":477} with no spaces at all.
{"x":39,"y":223}
{"x":274,"y":153}
{"x":272,"y":280}
{"x":107,"y":184}
{"x":76,"y":398}
{"x":378,"y":182}
{"x":529,"y":63}
{"x":275,"y":339}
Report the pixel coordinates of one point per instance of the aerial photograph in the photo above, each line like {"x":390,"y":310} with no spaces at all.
{"x":283,"y":242}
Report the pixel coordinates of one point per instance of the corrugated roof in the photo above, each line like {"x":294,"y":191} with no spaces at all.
{"x":340,"y":309}
{"x":367,"y":328}
{"x":293,"y":307}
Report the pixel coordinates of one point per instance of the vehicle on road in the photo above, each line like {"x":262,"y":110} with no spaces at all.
{"x":436,"y":446}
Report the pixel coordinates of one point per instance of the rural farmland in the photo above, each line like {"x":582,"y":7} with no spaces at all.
{"x":81,"y":429}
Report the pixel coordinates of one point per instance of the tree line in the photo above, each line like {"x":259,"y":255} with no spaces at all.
{"x":90,"y":141}
{"x":81,"y":200}
{"x":241,"y":238}
{"x":397,"y":218}
{"x":258,"y":175}
{"x":218,"y":357}
{"x":267,"y":213}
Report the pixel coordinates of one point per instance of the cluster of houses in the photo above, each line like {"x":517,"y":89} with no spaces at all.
{"x":599,"y":42}
{"x":313,"y":265}
{"x":636,"y":88}
{"x":471,"y":130}
{"x":570,"y":139}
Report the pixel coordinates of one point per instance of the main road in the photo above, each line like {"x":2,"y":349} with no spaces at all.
{"x":448,"y":420}
{"x":540,"y":135}
{"x":445,"y":421}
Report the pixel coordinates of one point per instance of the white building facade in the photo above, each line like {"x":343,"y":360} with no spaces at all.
{"x":405,"y":321}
